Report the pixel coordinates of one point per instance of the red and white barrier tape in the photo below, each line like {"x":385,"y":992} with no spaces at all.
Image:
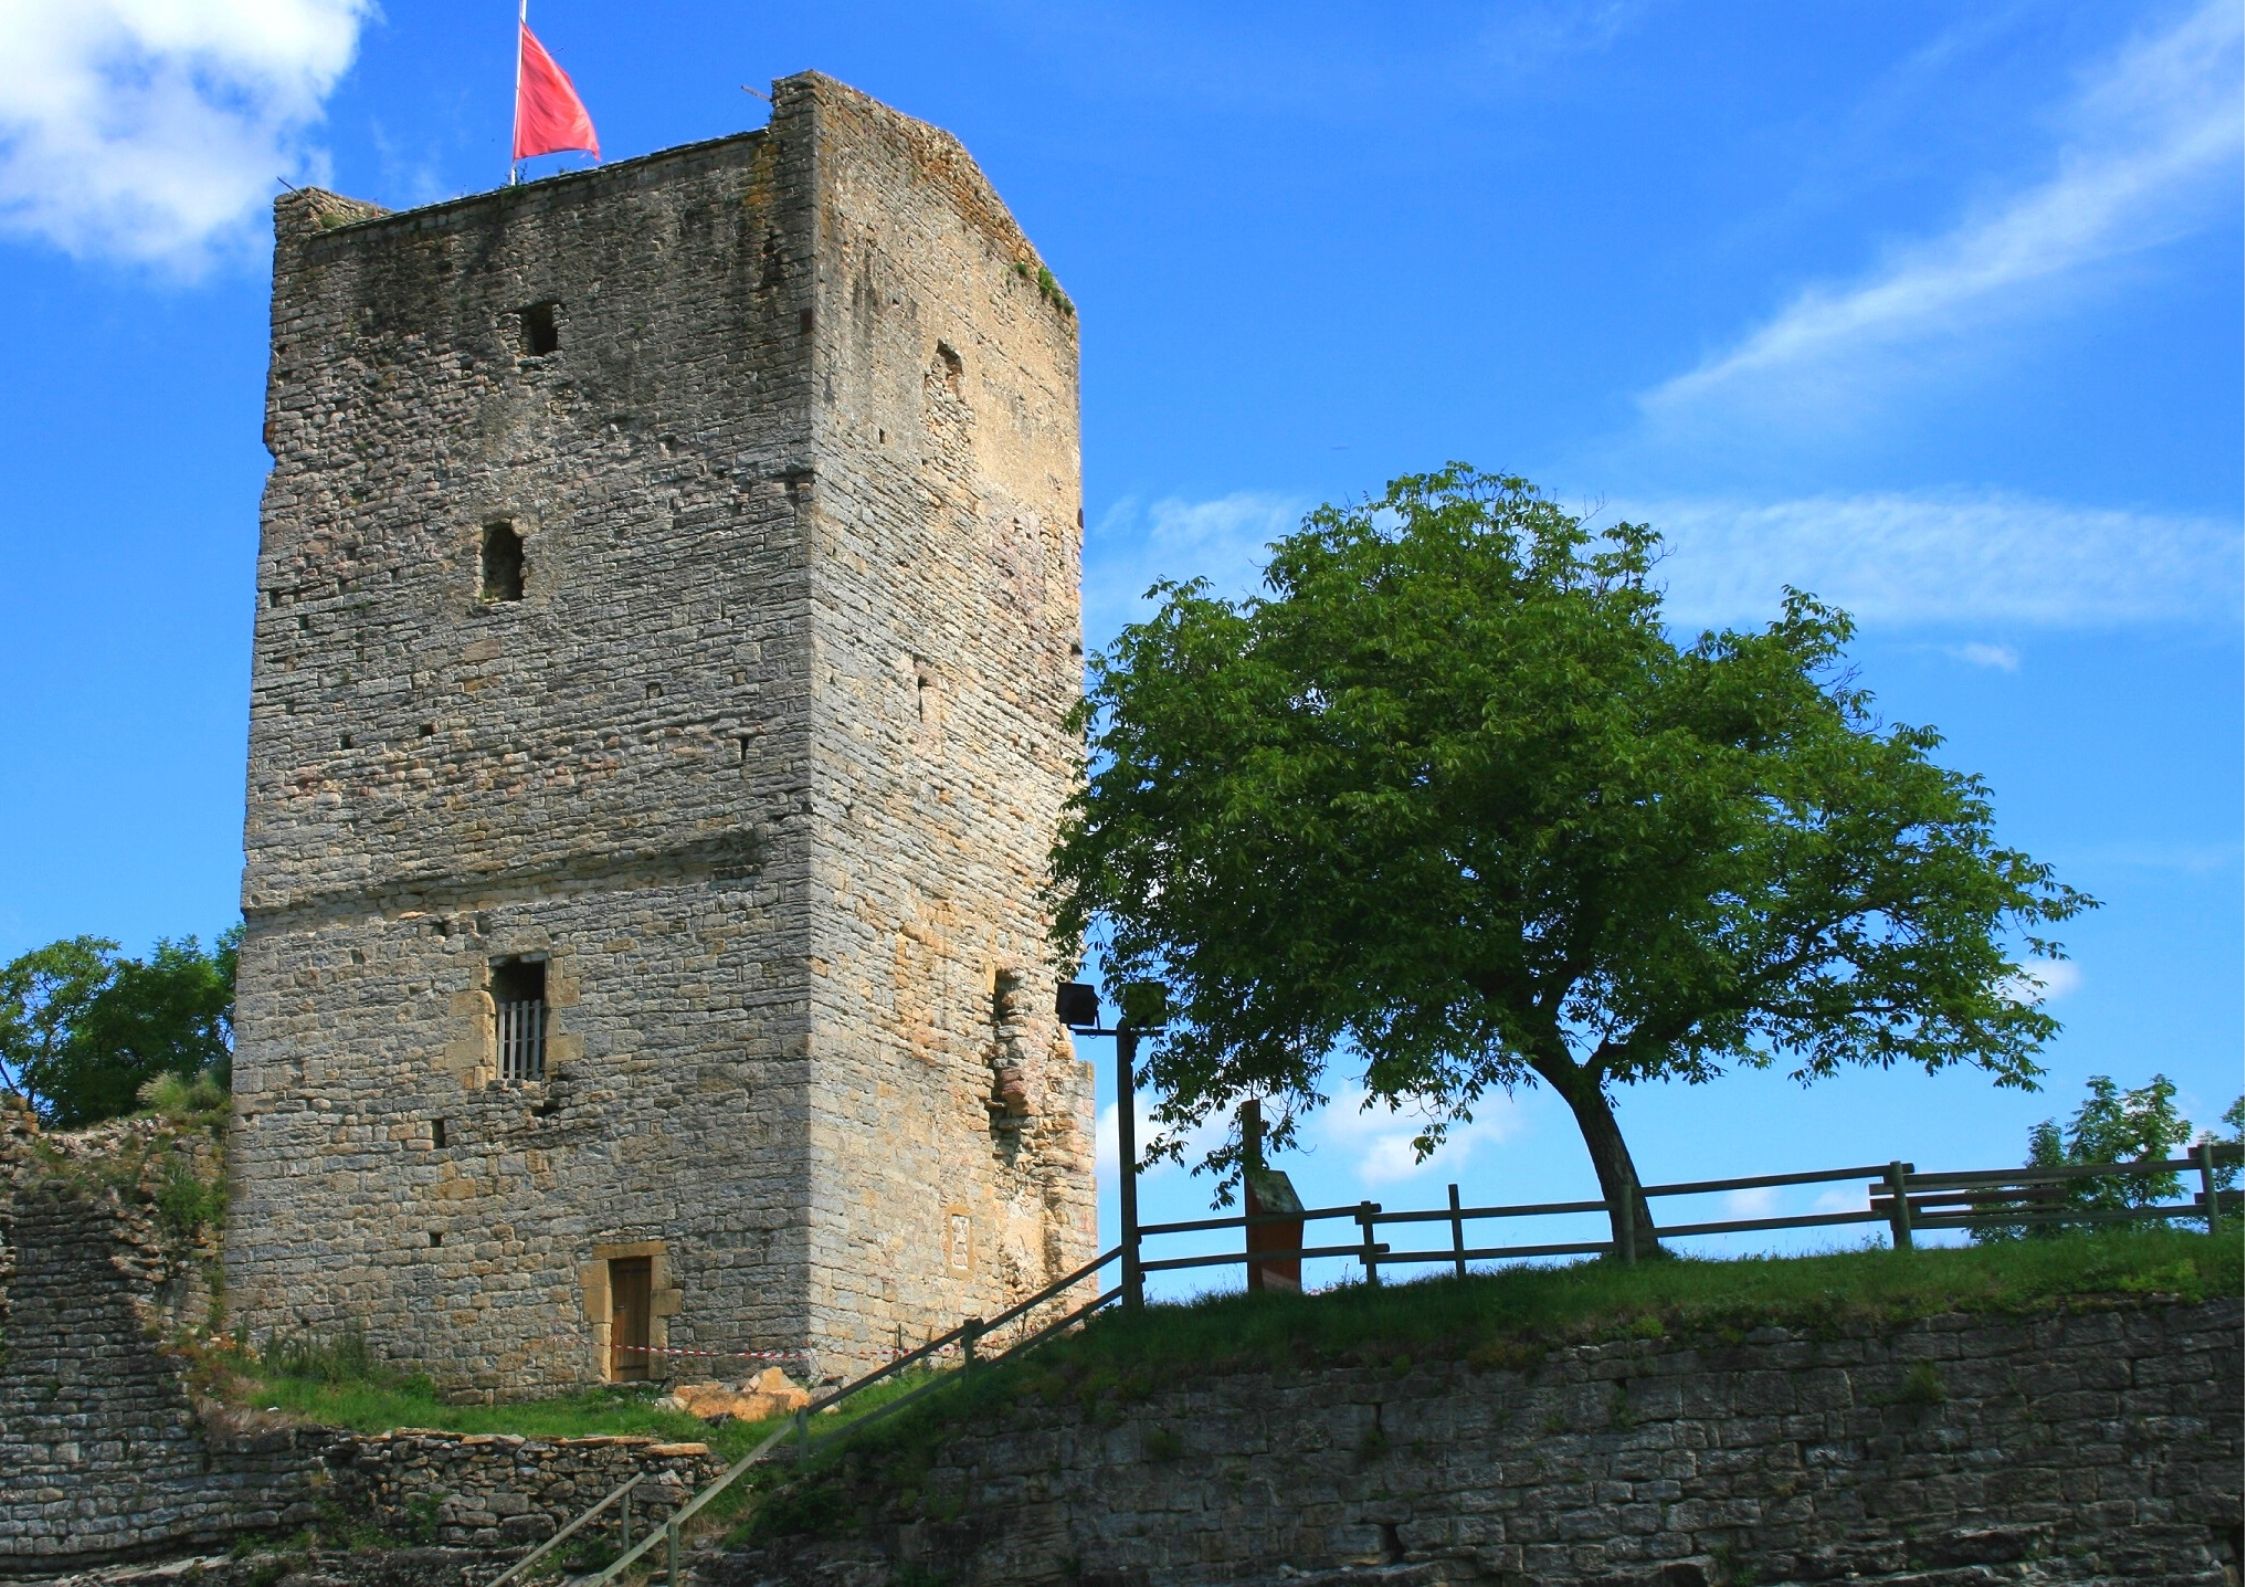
{"x":715,"y":1355}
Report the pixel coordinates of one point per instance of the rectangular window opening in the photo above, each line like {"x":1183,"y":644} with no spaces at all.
{"x":540,"y":334}
{"x":518,"y":1000}
{"x":502,"y":562}
{"x":436,"y":1134}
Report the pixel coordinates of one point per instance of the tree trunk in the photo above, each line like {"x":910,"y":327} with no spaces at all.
{"x":1618,"y":1185}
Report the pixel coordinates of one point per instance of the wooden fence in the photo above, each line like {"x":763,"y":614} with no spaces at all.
{"x":1897,"y":1195}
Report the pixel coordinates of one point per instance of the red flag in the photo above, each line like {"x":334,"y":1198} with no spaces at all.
{"x":548,"y":115}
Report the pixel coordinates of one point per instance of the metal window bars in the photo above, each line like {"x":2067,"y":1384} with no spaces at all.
{"x":522,"y":1040}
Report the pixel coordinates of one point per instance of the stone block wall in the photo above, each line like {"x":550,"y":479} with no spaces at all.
{"x":101,"y":1453}
{"x":758,"y":758}
{"x":493,"y":1491}
{"x":951,"y":1124}
{"x":2096,"y":1446}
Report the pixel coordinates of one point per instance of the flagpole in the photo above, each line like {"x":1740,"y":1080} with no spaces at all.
{"x":514,"y":140}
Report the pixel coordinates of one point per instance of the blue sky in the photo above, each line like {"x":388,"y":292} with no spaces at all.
{"x":1934,"y":310}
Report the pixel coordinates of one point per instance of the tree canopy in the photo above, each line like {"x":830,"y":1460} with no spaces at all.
{"x":82,"y":1029}
{"x":2140,"y":1125}
{"x":1449,"y":799}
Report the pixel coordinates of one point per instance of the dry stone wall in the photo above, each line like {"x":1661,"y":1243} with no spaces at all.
{"x":2093,"y":1448}
{"x":101,"y":1453}
{"x":755,"y":754}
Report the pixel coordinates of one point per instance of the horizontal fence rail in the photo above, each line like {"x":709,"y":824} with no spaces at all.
{"x":1897,"y":1195}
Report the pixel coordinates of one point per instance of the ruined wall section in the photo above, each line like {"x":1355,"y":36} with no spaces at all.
{"x":611,"y":773}
{"x":101,"y":1269}
{"x":952,"y":1139}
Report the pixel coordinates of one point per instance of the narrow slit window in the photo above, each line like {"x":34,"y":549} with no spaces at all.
{"x":540,"y":334}
{"x":518,"y":1000}
{"x":502,"y":563}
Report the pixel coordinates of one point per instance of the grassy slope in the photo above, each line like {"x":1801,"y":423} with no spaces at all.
{"x":1511,"y":1318}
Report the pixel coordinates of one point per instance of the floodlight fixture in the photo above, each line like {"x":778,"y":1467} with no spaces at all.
{"x":1076,"y":1005}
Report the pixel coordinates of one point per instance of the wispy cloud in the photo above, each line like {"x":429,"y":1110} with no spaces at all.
{"x":1948,"y":557}
{"x":2147,"y":151}
{"x":151,"y":131}
{"x":2044,"y":981}
{"x":1999,"y":658}
{"x":1133,"y":544}
{"x":1375,"y":1142}
{"x":1107,"y":1142}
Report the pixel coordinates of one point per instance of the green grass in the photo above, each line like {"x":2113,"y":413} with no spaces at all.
{"x":383,"y":1405}
{"x":1516,"y":1313}
{"x":1508,"y":1319}
{"x":338,"y":1384}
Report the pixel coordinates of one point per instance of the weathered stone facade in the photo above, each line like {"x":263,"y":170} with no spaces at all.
{"x":101,"y":1453}
{"x":669,"y":580}
{"x":2096,"y":1447}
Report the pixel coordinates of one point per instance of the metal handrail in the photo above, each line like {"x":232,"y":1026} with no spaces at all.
{"x":555,"y":1541}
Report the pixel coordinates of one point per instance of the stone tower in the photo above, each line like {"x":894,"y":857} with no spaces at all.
{"x":667,"y":615}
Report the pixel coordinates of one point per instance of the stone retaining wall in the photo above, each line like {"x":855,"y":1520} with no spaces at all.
{"x":496,"y":1491}
{"x":2087,"y":1446}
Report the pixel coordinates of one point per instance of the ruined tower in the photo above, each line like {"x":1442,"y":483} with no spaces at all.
{"x":667,"y":615}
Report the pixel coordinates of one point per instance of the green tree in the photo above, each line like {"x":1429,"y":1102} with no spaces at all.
{"x":2113,"y":1126}
{"x":1450,"y":800}
{"x":82,"y":1030}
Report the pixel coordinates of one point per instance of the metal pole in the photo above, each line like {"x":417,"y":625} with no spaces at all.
{"x":1250,"y":1164}
{"x":514,"y":166}
{"x":1457,"y":1231}
{"x":1126,"y":1151}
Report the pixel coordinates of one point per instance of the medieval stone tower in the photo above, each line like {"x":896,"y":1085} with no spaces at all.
{"x":667,"y":613}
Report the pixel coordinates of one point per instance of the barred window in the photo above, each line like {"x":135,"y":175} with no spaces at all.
{"x":518,"y":999}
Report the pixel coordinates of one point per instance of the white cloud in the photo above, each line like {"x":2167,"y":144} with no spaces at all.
{"x":1944,"y":557}
{"x":1222,"y":540}
{"x":2149,"y":149}
{"x":2001,"y":658}
{"x":153,"y":130}
{"x":1376,"y":1143}
{"x":1759,"y":1202}
{"x":1106,"y":1143}
{"x":2044,"y":981}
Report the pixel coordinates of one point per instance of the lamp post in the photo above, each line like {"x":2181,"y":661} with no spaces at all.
{"x":1077,"y":1007}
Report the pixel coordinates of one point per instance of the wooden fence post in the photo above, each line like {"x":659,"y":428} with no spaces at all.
{"x":802,"y":1436}
{"x":1366,"y":1212}
{"x":2206,"y":1183}
{"x":627,"y":1521}
{"x":1457,"y":1232}
{"x":1898,"y":1209}
{"x":670,"y":1548}
{"x":969,"y":1332}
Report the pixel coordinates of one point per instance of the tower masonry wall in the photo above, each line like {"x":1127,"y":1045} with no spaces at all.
{"x":553,"y":667}
{"x":950,"y":1119}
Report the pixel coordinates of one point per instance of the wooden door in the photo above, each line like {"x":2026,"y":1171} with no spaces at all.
{"x":630,"y":1298}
